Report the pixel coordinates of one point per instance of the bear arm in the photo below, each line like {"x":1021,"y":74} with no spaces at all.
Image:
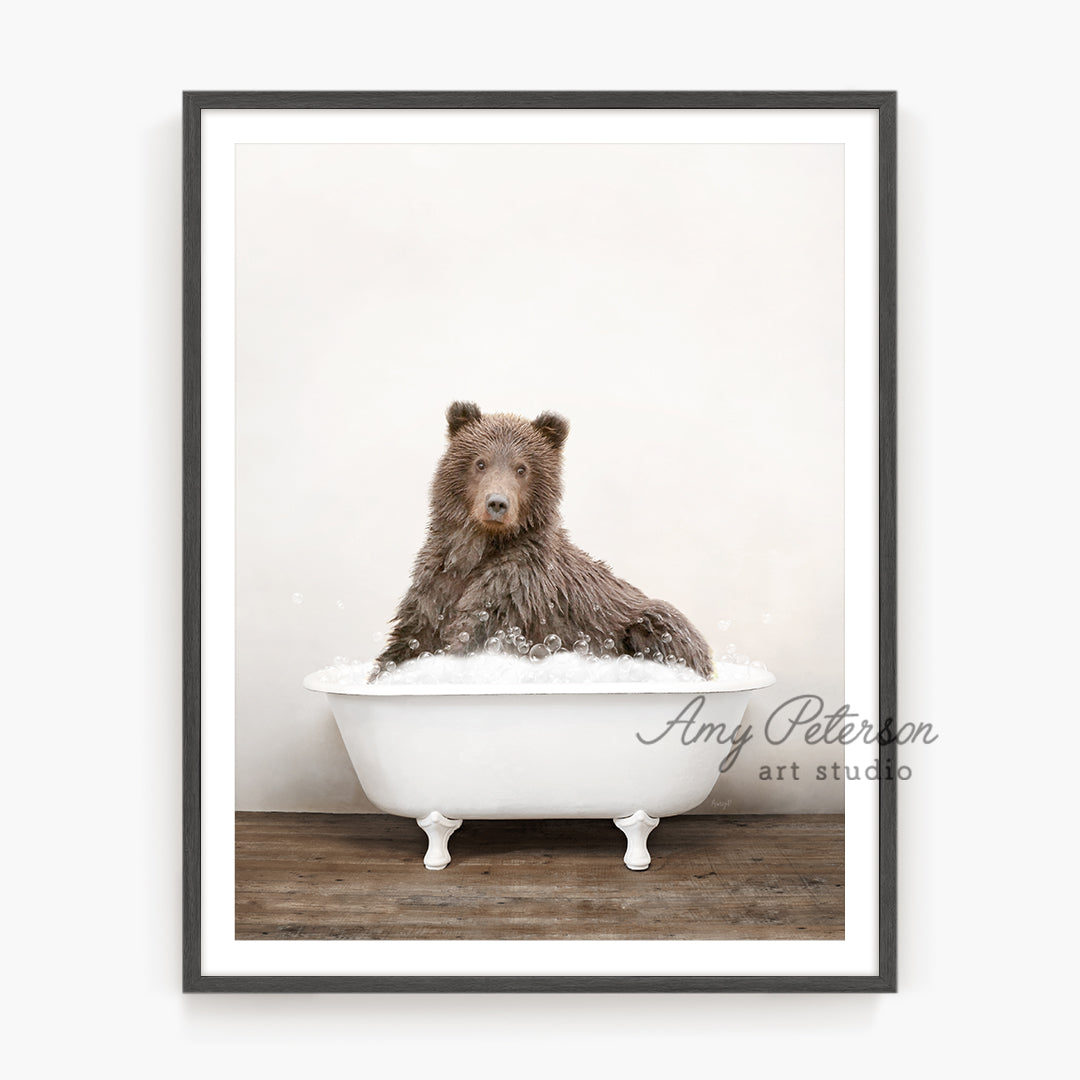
{"x":658,"y":619}
{"x":409,"y":625}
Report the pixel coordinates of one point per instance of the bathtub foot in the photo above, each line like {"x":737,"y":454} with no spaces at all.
{"x":438,"y":829}
{"x":637,"y":828}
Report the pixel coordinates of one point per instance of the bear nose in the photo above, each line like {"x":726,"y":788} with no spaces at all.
{"x":496,"y":506}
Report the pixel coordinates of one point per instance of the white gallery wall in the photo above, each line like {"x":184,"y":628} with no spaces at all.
{"x":682,"y":305}
{"x":91,"y":546}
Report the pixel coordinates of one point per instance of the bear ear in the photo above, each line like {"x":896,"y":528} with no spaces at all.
{"x":553,"y":427}
{"x":461,"y":413}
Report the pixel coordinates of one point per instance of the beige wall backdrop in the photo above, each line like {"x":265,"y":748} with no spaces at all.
{"x":681,"y":305}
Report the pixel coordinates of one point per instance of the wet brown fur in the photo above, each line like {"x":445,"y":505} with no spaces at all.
{"x":522,"y":570}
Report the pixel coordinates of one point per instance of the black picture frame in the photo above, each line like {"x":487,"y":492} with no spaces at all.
{"x":195,"y":103}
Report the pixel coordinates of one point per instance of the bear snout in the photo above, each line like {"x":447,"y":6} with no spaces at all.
{"x":496,"y":507}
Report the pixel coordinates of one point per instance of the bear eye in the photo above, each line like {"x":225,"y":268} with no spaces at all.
{"x":480,"y":466}
{"x":521,"y":470}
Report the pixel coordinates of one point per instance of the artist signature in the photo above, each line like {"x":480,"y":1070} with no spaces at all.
{"x":802,"y":715}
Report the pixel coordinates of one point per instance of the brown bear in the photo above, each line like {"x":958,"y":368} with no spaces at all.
{"x":497,"y":561}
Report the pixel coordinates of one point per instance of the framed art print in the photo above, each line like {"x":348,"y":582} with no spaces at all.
{"x":539,"y":549}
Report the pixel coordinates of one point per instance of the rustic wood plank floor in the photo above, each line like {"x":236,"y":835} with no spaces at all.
{"x":353,"y":876}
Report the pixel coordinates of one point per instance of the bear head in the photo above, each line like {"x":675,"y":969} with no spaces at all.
{"x":501,"y":474}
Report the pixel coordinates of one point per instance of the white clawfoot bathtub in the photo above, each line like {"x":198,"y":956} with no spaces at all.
{"x":634,"y":753}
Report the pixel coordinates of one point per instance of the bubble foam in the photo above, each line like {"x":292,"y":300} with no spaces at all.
{"x":510,"y":669}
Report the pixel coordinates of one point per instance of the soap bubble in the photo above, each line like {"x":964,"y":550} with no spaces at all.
{"x":463,"y":637}
{"x":493,"y":645}
{"x":440,"y":615}
{"x":538,"y":653}
{"x":639,"y":656}
{"x":482,"y":616}
{"x":390,"y":666}
{"x":553,"y":643}
{"x":596,"y":607}
{"x":414,"y":644}
{"x":523,"y":647}
{"x":665,"y":638}
{"x":581,"y":646}
{"x":424,"y":656}
{"x":297,"y":597}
